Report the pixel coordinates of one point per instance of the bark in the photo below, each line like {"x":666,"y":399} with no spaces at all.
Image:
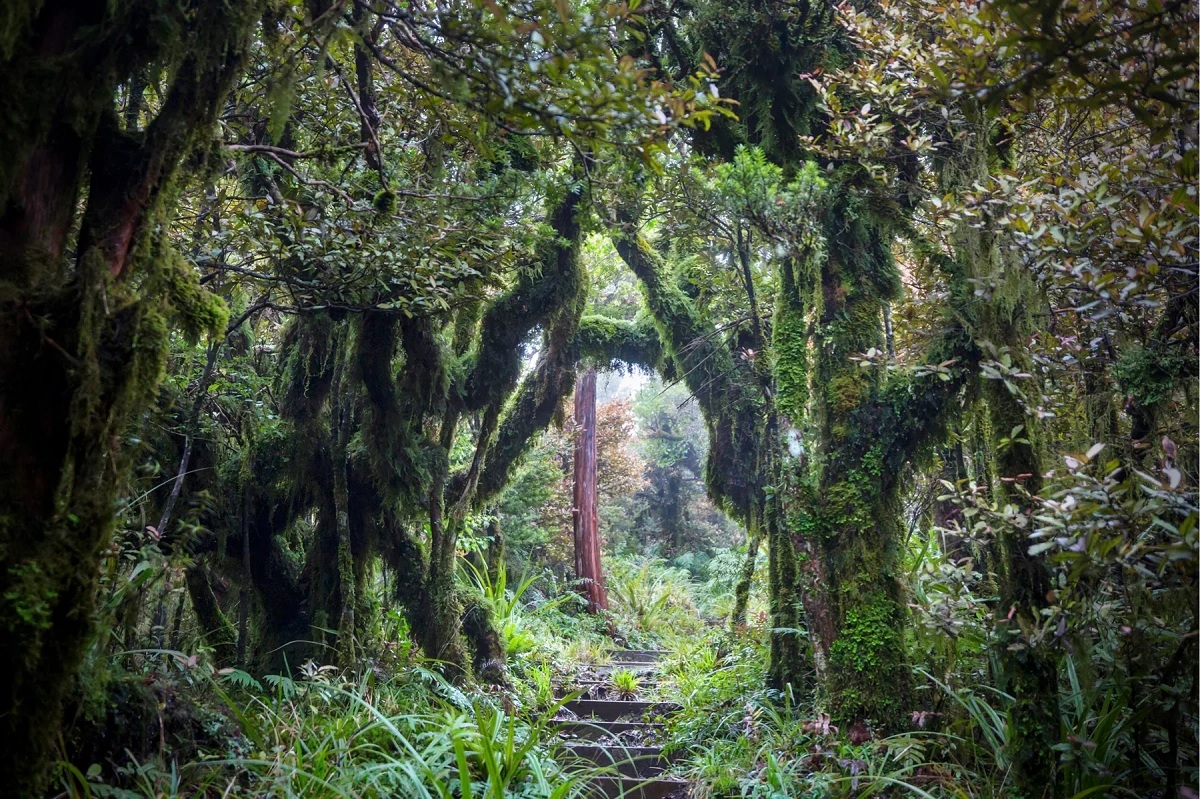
{"x":81,"y":343}
{"x":442,"y":640}
{"x":586,"y":524}
{"x":1028,"y":672}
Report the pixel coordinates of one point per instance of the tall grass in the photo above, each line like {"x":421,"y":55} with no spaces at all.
{"x":336,"y":740}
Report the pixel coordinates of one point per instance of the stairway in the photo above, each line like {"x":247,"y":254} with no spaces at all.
{"x":621,"y":734}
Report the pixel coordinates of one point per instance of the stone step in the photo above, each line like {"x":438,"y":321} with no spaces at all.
{"x":624,"y":731}
{"x":634,"y":788}
{"x":600,"y":688}
{"x":629,"y":761}
{"x":617,"y":710}
{"x":639,"y":668}
{"x":638,"y":655}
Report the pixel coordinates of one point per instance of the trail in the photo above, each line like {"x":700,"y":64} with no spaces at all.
{"x":622,"y":733}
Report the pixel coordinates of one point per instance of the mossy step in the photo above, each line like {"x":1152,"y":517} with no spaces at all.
{"x":634,"y":788}
{"x":600,"y":687}
{"x":616,"y":710}
{"x":611,"y":730}
{"x":590,"y":689}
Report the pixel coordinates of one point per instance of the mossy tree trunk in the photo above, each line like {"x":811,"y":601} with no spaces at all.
{"x":850,"y":433}
{"x":82,"y":328}
{"x":854,"y":521}
{"x":741,"y":591}
{"x":1002,"y":325}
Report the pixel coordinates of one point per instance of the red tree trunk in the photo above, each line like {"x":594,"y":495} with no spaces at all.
{"x":587,"y":534}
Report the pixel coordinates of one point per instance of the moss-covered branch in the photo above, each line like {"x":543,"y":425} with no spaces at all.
{"x":495,"y":364}
{"x":602,"y":340}
{"x":728,"y":394}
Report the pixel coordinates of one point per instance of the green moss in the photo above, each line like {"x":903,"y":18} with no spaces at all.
{"x":845,"y":392}
{"x":1150,"y":374}
{"x":790,"y":345}
{"x":384,"y":202}
{"x":868,"y":667}
{"x":198,"y":310}
{"x":615,"y":342}
{"x":29,"y":600}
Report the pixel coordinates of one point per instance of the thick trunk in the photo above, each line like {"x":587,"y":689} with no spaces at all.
{"x":850,"y":510}
{"x":81,"y":346}
{"x":587,"y":534}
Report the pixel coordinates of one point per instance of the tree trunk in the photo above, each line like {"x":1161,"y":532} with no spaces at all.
{"x":587,"y":534}
{"x":82,"y":345}
{"x":1003,"y":324}
{"x":741,"y":591}
{"x":443,"y":638}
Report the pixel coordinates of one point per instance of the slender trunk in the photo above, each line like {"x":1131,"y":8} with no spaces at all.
{"x":243,"y":629}
{"x":741,"y":592}
{"x":442,"y":640}
{"x":586,"y":523}
{"x":345,"y":563}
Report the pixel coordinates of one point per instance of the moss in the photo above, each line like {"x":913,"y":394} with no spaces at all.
{"x":198,"y":310}
{"x":615,"y":341}
{"x":733,"y":409}
{"x":790,"y":344}
{"x":845,"y":392}
{"x":1150,"y":374}
{"x":741,"y":591}
{"x":29,"y":600}
{"x":384,"y":202}
{"x":868,"y":667}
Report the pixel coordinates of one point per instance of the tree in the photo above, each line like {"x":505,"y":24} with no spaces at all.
{"x":90,"y":287}
{"x":95,"y":283}
{"x":588,"y":569}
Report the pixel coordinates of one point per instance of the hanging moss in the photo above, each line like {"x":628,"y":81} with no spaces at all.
{"x":1150,"y":374}
{"x":198,"y":311}
{"x":763,"y":47}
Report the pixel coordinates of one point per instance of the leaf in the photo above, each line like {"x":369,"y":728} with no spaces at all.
{"x":1173,"y":476}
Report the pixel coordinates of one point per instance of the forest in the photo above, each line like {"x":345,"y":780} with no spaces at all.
{"x":555,"y":399}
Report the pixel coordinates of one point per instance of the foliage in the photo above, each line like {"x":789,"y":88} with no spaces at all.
{"x":298,"y":292}
{"x":650,"y":601}
{"x":625,"y":684}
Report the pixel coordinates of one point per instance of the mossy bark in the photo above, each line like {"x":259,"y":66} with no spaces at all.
{"x":82,"y":330}
{"x":854,"y":520}
{"x":1003,"y":324}
{"x":851,"y":432}
{"x":741,"y":591}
